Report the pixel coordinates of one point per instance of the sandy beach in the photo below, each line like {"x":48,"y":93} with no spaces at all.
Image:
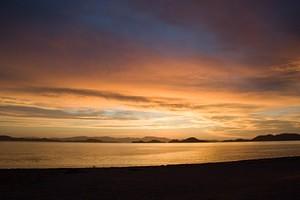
{"x":277,"y":178}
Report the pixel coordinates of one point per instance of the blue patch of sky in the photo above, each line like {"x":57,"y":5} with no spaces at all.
{"x":120,"y":19}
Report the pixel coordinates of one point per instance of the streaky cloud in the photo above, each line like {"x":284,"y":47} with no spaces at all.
{"x":141,"y":101}
{"x":82,"y":92}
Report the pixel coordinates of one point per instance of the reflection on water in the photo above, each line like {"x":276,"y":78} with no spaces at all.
{"x":53,"y":155}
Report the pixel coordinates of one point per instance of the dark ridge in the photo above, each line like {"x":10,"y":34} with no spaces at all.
{"x":92,"y":140}
{"x":6,"y":138}
{"x":105,"y":139}
{"x":138,"y":141}
{"x":279,"y":137}
{"x":150,"y":141}
{"x":188,"y":140}
{"x":237,"y":140}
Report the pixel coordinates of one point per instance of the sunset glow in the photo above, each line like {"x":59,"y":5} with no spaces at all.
{"x":172,"y":68}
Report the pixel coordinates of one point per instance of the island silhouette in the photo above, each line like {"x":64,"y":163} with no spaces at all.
{"x":151,"y":139}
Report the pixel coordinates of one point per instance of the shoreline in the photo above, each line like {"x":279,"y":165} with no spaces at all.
{"x":151,"y":139}
{"x":270,"y":178}
{"x":82,"y":142}
{"x":155,"y":166}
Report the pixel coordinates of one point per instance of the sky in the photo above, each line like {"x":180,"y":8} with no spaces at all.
{"x":169,"y":68}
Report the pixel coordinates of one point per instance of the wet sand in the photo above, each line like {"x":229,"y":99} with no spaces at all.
{"x":277,"y":178}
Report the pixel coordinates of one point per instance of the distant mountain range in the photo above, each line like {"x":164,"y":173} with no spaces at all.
{"x":104,"y":139}
{"x":149,"y":139}
{"x":279,"y":137}
{"x":188,"y":140}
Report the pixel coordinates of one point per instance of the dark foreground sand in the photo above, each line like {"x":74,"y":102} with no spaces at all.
{"x":256,"y":179}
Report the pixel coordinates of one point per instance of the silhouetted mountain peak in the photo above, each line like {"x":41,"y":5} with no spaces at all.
{"x":149,"y":139}
{"x":5,"y":137}
{"x":188,"y":140}
{"x":279,"y":137}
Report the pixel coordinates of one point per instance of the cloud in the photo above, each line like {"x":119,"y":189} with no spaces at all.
{"x":224,"y":107}
{"x":208,"y":55}
{"x":117,"y":41}
{"x":82,"y":92}
{"x":257,"y":32}
{"x":27,"y":111}
{"x":38,"y":112}
{"x":291,"y":67}
{"x":280,"y":81}
{"x":250,"y":127}
{"x":140,"y":101}
{"x":276,"y":125}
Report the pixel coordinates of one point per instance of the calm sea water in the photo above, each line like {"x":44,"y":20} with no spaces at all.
{"x":56,"y":155}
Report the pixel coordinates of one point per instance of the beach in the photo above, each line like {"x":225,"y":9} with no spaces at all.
{"x":276,"y":178}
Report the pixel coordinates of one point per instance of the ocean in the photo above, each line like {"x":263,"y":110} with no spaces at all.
{"x":77,"y":155}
